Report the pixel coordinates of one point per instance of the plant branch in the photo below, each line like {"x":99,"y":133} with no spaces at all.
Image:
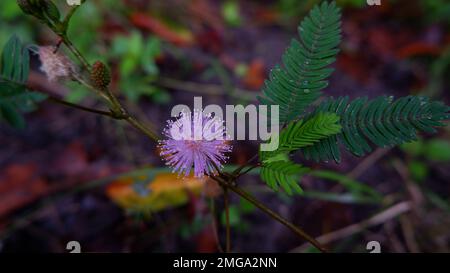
{"x":238,"y":171}
{"x":270,"y":212}
{"x":118,"y":111}
{"x":76,"y":52}
{"x":139,"y":126}
{"x":227,"y":219}
{"x":250,"y":169}
{"x":214,"y":224}
{"x":379,"y":218}
{"x":83,"y":108}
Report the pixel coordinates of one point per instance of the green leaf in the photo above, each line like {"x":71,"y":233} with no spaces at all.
{"x":283,"y":173}
{"x":11,"y":116}
{"x":382,"y":122}
{"x":14,"y":97}
{"x":299,"y":82}
{"x":10,"y":61}
{"x":300,"y":134}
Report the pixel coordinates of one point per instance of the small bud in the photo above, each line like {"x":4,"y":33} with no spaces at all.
{"x":100,"y":75}
{"x":56,"y":65}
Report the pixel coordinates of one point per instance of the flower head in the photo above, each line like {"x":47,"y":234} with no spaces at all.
{"x":56,"y":65}
{"x":195,"y":140}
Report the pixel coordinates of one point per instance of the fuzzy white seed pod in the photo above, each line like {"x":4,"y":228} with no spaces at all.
{"x":56,"y":66}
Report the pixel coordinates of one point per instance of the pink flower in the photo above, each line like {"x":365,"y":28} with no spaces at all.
{"x":195,"y":141}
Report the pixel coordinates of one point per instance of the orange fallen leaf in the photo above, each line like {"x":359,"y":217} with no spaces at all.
{"x":167,"y":190}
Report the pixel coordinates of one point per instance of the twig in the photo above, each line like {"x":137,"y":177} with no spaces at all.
{"x":375,"y":220}
{"x":413,"y":190}
{"x":214,"y":224}
{"x":250,"y":169}
{"x":80,"y":107}
{"x":271,"y":213}
{"x":227,"y":219}
{"x":367,"y":162}
{"x":136,"y":124}
{"x":76,"y":52}
{"x":237,"y":172}
{"x":408,"y":234}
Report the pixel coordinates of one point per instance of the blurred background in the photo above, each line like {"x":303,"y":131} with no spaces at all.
{"x":74,"y":176}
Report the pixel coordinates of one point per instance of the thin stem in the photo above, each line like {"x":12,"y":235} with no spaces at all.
{"x":249,"y":169}
{"x":214,"y":224}
{"x":239,"y":169}
{"x":136,"y":124}
{"x":76,"y":52}
{"x":227,"y":219}
{"x":70,"y":14}
{"x":271,"y":213}
{"x":96,"y":91}
{"x":80,"y":107}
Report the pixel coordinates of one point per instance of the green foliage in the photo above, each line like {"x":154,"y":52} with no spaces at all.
{"x":277,"y":169}
{"x":357,"y":125}
{"x":382,"y":121}
{"x":137,"y":66}
{"x":283,"y":173}
{"x":305,"y":63}
{"x":14,"y":70}
{"x":304,"y":133}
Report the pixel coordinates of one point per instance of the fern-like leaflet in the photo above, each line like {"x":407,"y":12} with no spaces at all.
{"x":283,"y":173}
{"x":382,"y":121}
{"x":277,"y":169}
{"x":299,"y":82}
